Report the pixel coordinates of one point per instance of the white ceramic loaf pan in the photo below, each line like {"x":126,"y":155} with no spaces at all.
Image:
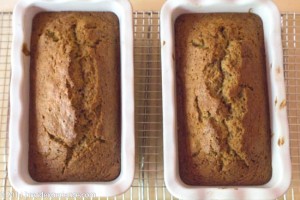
{"x":281,"y":165}
{"x":19,"y":177}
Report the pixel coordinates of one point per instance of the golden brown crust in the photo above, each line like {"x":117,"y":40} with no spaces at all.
{"x":222,"y":103}
{"x":75,"y":97}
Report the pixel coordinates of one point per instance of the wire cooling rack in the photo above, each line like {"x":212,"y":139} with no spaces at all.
{"x":149,"y":183}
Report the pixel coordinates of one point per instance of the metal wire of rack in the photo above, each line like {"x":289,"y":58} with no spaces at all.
{"x":149,"y":182}
{"x":291,"y":54}
{"x":5,"y":45}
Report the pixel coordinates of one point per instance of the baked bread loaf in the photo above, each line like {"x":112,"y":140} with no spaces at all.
{"x":223,"y":122}
{"x":75,"y":97}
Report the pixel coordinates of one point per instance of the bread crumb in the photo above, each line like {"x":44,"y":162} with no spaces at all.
{"x":282,"y":104}
{"x":25,"y":50}
{"x":280,"y":141}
